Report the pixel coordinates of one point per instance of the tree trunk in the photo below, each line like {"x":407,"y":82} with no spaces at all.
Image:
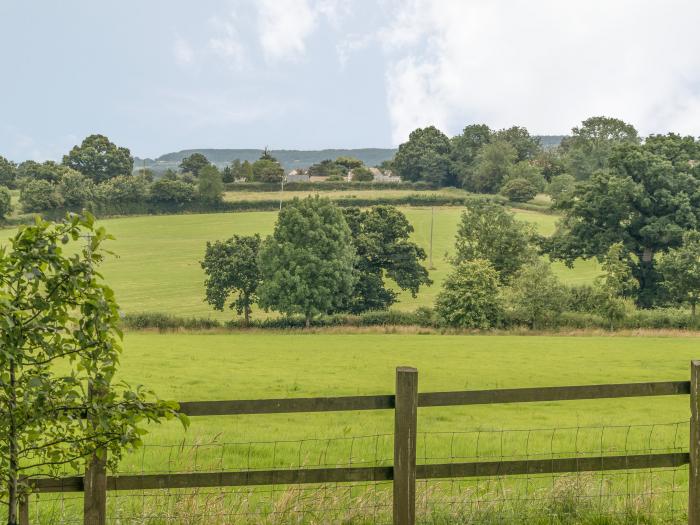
{"x":692,"y":309}
{"x":308,"y":320}
{"x":648,"y":279}
{"x":14,"y":461}
{"x":246,"y":313}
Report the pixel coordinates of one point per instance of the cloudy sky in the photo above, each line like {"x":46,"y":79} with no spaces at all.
{"x":164,"y":75}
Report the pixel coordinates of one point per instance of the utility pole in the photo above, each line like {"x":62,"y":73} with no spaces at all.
{"x":282,"y":191}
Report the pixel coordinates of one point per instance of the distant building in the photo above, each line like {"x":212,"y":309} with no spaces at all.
{"x":297,"y":175}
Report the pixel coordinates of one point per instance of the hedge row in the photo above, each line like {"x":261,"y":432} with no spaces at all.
{"x":328,"y":186}
{"x":661,"y":318}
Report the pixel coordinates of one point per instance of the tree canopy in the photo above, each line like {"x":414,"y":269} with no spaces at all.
{"x":381,"y":236}
{"x":643,"y":200}
{"x":99,"y":159}
{"x":231,"y":267}
{"x":680,"y":269}
{"x":194,"y":164}
{"x":425,"y":157}
{"x":308,"y":263}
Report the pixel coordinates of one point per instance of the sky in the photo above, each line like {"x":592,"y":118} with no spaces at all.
{"x":163,"y":75}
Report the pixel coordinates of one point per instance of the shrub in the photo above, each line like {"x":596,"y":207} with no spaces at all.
{"x":172,"y":191}
{"x":162,"y":321}
{"x":210,"y":187}
{"x":76,"y":190}
{"x":5,"y":202}
{"x":561,"y":187}
{"x":362,"y":175}
{"x":536,"y":296}
{"x":123,"y":189}
{"x":519,"y":190}
{"x":470,"y":296}
{"x":39,"y":195}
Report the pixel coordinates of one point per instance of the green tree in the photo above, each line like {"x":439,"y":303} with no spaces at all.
{"x":425,"y":157}
{"x":680,"y":268}
{"x":551,"y":163}
{"x":307,"y":264}
{"x":327,"y":168}
{"x":362,"y":175}
{"x":60,"y":344}
{"x":39,"y":195}
{"x":488,"y":231}
{"x":617,"y":281}
{"x":519,"y":190}
{"x":5,"y":202}
{"x":210,"y":186}
{"x":561,"y":188}
{"x":123,"y":189}
{"x":231,"y":267}
{"x":465,"y":146}
{"x":381,"y":236}
{"x":642,"y":201}
{"x":349,"y":163}
{"x":589,"y":147}
{"x":526,"y":146}
{"x":194,"y":164}
{"x":536,"y":295}
{"x":172,"y":192}
{"x":492,"y":166}
{"x":529,"y":171}
{"x":76,"y":190}
{"x":99,"y":159}
{"x":267,"y":169}
{"x":48,"y":171}
{"x":470,"y":296}
{"x":8,"y":173}
{"x":247,"y":171}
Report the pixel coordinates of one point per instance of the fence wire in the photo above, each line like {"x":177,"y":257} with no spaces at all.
{"x":646,"y":496}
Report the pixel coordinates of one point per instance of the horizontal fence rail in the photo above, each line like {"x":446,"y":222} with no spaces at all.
{"x":354,"y":474}
{"x":433,"y":399}
{"x":405,"y":471}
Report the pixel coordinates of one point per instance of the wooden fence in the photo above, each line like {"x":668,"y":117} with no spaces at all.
{"x":404,"y":471}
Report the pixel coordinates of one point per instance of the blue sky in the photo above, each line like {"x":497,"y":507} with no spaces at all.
{"x":158,"y":76}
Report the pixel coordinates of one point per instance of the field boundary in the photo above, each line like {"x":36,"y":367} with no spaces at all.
{"x":404,"y":472}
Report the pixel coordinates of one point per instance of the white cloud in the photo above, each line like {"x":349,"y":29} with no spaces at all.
{"x":283,"y":27}
{"x":183,"y":52}
{"x":546,"y":65}
{"x":227,"y":43}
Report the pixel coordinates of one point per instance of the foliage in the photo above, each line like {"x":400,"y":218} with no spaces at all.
{"x":492,"y":165}
{"x":519,"y":190}
{"x":327,"y":168}
{"x":616,"y":282}
{"x":123,"y":189}
{"x":54,"y":308}
{"x":48,"y":171}
{"x":643,"y":201}
{"x":99,"y":159}
{"x":307,"y":264}
{"x":210,"y":187}
{"x":551,"y":163}
{"x":349,"y":163}
{"x":381,"y":236}
{"x":536,"y":296}
{"x":267,"y":170}
{"x":470,"y":296}
{"x":465,"y":146}
{"x":76,"y":190}
{"x":194,"y":164}
{"x":589,"y":147}
{"x":526,"y":146}
{"x":172,"y":191}
{"x":8,"y":173}
{"x":529,"y":171}
{"x":561,"y":188}
{"x":5,"y":202}
{"x":425,"y":157}
{"x":488,"y":231}
{"x":362,"y":175}
{"x":39,"y":195}
{"x":680,"y":268}
{"x":231,"y":267}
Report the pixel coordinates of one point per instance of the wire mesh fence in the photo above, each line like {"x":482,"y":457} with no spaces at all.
{"x":654,"y":495}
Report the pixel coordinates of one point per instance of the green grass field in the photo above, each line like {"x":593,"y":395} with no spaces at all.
{"x":156,"y":267}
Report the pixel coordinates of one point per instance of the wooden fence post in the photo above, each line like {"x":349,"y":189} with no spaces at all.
{"x":405,"y":434}
{"x":24,"y":510}
{"x":694,"y":446}
{"x":95,"y":495}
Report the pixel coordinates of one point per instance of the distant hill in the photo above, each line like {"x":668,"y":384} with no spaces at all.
{"x":289,"y":158}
